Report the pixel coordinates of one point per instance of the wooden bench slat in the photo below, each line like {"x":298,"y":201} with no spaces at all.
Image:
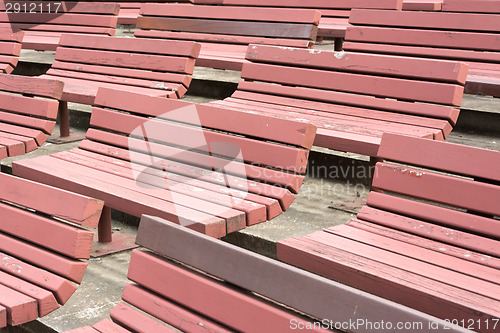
{"x":31,"y":85}
{"x":59,"y":237}
{"x":268,"y":128}
{"x":56,"y":19}
{"x":426,"y":243}
{"x":41,"y":169}
{"x":381,"y":4}
{"x":85,"y":329}
{"x":303,"y":93}
{"x":70,"y":269}
{"x":172,"y":48}
{"x":132,"y":60}
{"x":14,"y":147}
{"x":425,"y":5}
{"x":41,"y":124}
{"x":429,"y":230}
{"x":254,"y":14}
{"x":168,"y":311}
{"x":436,"y":20}
{"x":456,"y":158}
{"x":184,"y":186}
{"x":434,"y":70}
{"x":136,"y":321}
{"x":29,"y":106}
{"x":484,"y":6}
{"x":447,"y":189}
{"x":432,"y":92}
{"x":419,"y":37}
{"x":120,"y":71}
{"x":60,"y":287}
{"x":210,"y":298}
{"x":39,"y":136}
{"x":29,"y":143}
{"x":107,"y":325}
{"x":221,"y":38}
{"x":79,"y":209}
{"x":412,"y":290}
{"x":283,"y":195}
{"x":3,"y":317}
{"x":435,"y":214}
{"x":260,"y":29}
{"x":46,"y":301}
{"x":415,"y":252}
{"x":20,"y":308}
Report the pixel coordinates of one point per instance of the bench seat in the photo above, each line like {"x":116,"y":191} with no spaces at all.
{"x":470,"y":37}
{"x":10,"y":50}
{"x":225,"y":31}
{"x":428,"y":237}
{"x":49,"y":19}
{"x":228,"y":297}
{"x":43,"y":238}
{"x":28,"y":112}
{"x":352,"y":98}
{"x":211,"y":169}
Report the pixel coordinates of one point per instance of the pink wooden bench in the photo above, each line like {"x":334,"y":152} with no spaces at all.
{"x":464,"y":31}
{"x":219,"y":291}
{"x":41,"y":249}
{"x":225,"y":31}
{"x":43,"y":22}
{"x":28,"y":112}
{"x":130,"y":11}
{"x":334,"y":14}
{"x":10,"y":50}
{"x":152,"y":67}
{"x":426,"y":239}
{"x":352,"y":98}
{"x":208,"y":168}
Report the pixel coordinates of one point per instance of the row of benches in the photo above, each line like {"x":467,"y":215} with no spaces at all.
{"x":454,"y":33}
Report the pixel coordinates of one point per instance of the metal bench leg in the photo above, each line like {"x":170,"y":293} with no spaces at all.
{"x":339,"y":42}
{"x":109,"y":241}
{"x":63,"y":119}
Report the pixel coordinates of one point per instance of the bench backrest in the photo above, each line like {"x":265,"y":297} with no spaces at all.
{"x":56,"y":16}
{"x":41,"y":246}
{"x":477,"y":6}
{"x":176,"y":145}
{"x":469,"y":37}
{"x":157,"y":64}
{"x":28,"y":113}
{"x":454,"y":188}
{"x":10,"y":50}
{"x":229,"y":25}
{"x":322,"y":80}
{"x":218,"y":289}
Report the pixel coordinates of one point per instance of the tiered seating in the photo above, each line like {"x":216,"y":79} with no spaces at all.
{"x":43,"y":22}
{"x":464,"y":31}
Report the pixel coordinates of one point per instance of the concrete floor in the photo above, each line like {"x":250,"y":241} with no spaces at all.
{"x":325,"y":200}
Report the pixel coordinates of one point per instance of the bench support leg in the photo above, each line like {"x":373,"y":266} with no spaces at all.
{"x":63,"y":119}
{"x":338,"y":43}
{"x":64,"y":133}
{"x":109,"y":241}
{"x":104,"y":228}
